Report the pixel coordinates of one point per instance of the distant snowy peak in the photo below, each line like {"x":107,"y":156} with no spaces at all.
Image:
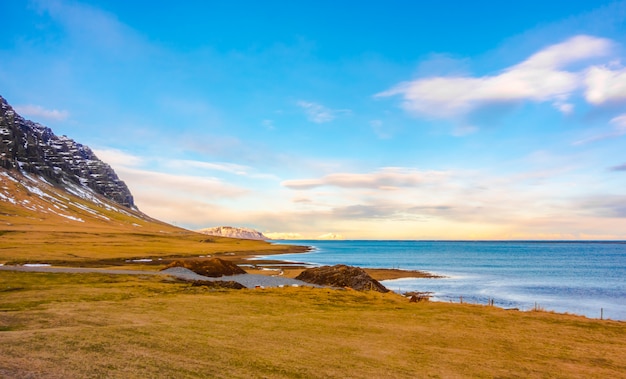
{"x":34,"y":149}
{"x":231,"y":232}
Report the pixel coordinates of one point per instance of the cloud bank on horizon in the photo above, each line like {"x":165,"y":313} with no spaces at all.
{"x":317,"y":124}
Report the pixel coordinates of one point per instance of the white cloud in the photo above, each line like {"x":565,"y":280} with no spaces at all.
{"x":93,"y":27}
{"x":605,"y":84}
{"x":387,"y":178}
{"x":540,"y":78}
{"x":379,"y":128}
{"x":618,"y":129}
{"x":178,"y":186}
{"x":268,"y":124}
{"x":118,"y":158}
{"x":619,"y":122}
{"x":36,"y":111}
{"x":565,"y":108}
{"x":232,"y":168}
{"x":318,"y":113}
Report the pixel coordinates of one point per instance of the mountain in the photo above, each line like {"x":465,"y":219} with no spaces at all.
{"x":231,"y":232}
{"x":59,"y":204}
{"x":51,"y":181}
{"x":34,"y":149}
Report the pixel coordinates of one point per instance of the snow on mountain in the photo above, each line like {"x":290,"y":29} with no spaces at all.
{"x":232,"y":232}
{"x":30,"y":198}
{"x":34,"y":149}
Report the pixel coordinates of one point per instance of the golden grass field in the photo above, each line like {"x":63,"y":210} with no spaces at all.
{"x":146,"y":326}
{"x":119,"y":326}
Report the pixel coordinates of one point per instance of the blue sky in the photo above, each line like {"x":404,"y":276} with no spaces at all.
{"x":395,"y":119}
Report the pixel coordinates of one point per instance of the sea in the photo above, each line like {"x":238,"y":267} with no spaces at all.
{"x":584,"y":278}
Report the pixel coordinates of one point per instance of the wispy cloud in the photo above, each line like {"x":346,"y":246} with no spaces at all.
{"x":621,"y":167}
{"x":39,"y":112}
{"x":618,"y":129}
{"x":386,"y":178}
{"x":320,"y":114}
{"x":118,"y":158}
{"x":94,"y":27}
{"x":268,"y":124}
{"x":231,"y":168}
{"x":178,"y":186}
{"x":378,"y":127}
{"x":605,"y":206}
{"x":540,"y":78}
{"x":284,"y":235}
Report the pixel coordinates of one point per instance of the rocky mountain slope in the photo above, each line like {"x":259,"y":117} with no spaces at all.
{"x":54,"y":182}
{"x":59,"y":204}
{"x":231,"y":232}
{"x":30,"y":201}
{"x":33,"y":149}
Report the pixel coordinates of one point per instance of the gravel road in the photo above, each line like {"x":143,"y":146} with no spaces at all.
{"x":247,"y":280}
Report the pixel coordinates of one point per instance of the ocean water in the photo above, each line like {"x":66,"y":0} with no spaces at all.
{"x":584,"y":278}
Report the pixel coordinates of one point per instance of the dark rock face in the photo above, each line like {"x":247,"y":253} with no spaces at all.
{"x":33,"y":148}
{"x":213,"y":268}
{"x":341,"y":276}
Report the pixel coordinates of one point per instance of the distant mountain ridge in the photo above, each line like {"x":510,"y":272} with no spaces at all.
{"x":33,"y":148}
{"x":232,"y":232}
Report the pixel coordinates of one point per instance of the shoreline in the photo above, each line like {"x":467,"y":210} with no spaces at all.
{"x":289,"y":269}
{"x":253,"y":262}
{"x":268,"y":267}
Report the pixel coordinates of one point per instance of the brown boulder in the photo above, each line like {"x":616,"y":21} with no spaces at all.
{"x":341,"y":276}
{"x":213,"y":267}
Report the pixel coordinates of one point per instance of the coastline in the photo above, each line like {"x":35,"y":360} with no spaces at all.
{"x":493,"y":273}
{"x":259,"y":264}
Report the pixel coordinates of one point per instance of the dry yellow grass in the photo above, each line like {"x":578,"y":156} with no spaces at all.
{"x":61,"y":228}
{"x":74,"y":247}
{"x":122,"y":326}
{"x":88,"y":325}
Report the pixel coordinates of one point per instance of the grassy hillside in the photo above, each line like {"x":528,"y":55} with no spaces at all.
{"x":43,"y":223}
{"x":84,"y":326}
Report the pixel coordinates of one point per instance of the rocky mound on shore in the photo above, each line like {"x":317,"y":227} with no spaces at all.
{"x":213,"y":267}
{"x":341,"y":276}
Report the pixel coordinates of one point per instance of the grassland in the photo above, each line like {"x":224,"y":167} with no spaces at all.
{"x":125,"y":326}
{"x":91,"y":325}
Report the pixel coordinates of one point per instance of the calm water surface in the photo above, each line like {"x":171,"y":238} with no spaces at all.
{"x":573,"y":277}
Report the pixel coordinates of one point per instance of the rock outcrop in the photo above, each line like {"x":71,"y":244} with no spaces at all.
{"x":34,"y":149}
{"x":341,"y":276}
{"x":213,"y":267}
{"x":231,"y":232}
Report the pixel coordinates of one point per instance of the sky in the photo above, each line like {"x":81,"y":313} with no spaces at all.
{"x":361,"y":120}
